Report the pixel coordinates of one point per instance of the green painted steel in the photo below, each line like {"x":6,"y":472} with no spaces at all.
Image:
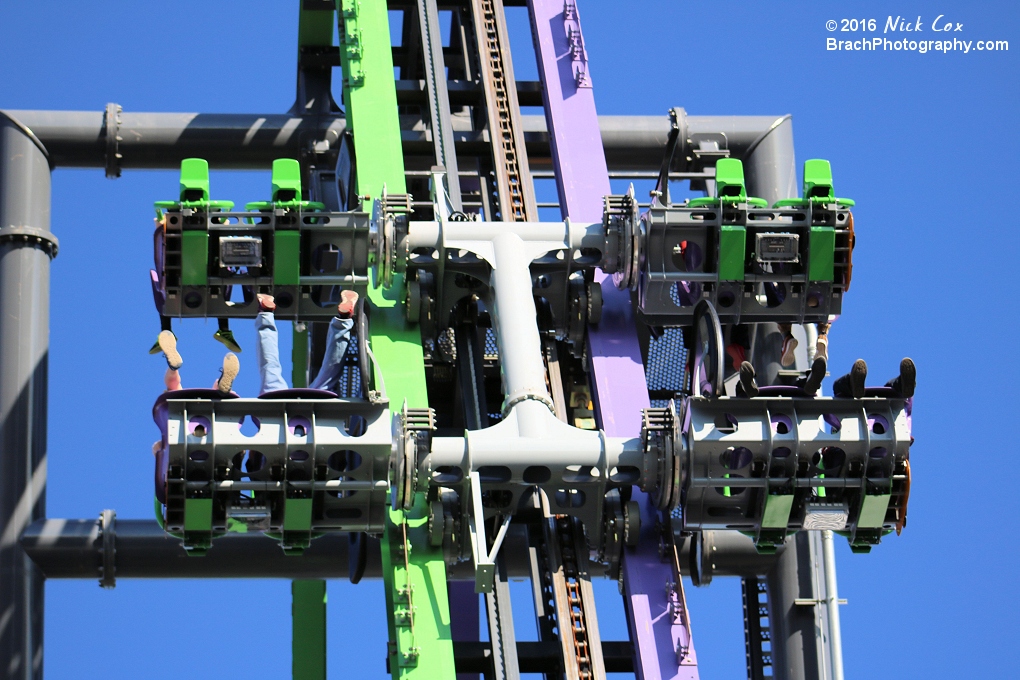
{"x":198,"y":514}
{"x":194,"y":258}
{"x":194,"y":188}
{"x":297,"y":514}
{"x":777,"y":510}
{"x":420,"y":637}
{"x":194,"y":179}
{"x":421,"y":644}
{"x":371,"y":96}
{"x":729,"y":183}
{"x":729,"y":180}
{"x":732,"y":244}
{"x":286,"y":189}
{"x":821,"y":254}
{"x":817,"y":187}
{"x":873,"y":510}
{"x":299,"y":358}
{"x":315,"y":27}
{"x":818,"y":180}
{"x":308,"y":597}
{"x":308,"y":641}
{"x":287,"y":258}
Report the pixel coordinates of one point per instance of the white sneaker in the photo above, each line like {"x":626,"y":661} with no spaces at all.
{"x":789,"y":345}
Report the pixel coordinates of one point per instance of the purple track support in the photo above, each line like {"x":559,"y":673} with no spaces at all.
{"x":656,"y":612}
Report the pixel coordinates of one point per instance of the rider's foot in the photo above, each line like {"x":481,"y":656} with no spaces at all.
{"x":226,"y":336}
{"x":348,"y":298}
{"x":789,"y":345}
{"x":267,"y":303}
{"x":815,"y":376}
{"x":906,"y":382}
{"x":852,"y":384}
{"x":166,"y":343}
{"x":231,"y":367}
{"x":822,"y":347}
{"x":747,"y":379}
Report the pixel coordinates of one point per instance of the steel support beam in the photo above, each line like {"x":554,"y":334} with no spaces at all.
{"x":254,"y":140}
{"x":620,"y":387}
{"x":26,"y":247}
{"x":800,"y":625}
{"x":420,"y":644}
{"x":73,"y":549}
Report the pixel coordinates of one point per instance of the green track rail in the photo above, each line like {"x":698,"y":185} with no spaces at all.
{"x":417,"y":603}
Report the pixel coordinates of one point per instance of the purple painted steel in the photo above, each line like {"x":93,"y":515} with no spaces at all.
{"x":582,"y":180}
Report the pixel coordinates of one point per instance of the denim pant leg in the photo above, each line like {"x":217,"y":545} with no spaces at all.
{"x":337,"y":339}
{"x":267,"y":351}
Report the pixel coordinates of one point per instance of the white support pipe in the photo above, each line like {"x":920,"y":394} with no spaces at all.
{"x":514,"y":315}
{"x":832,"y":605}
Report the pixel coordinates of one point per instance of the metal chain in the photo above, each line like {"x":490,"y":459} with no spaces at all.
{"x":493,"y":55}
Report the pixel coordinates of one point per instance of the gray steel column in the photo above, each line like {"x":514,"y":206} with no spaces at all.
{"x":799,"y":631}
{"x":26,"y":246}
{"x":770,"y":168}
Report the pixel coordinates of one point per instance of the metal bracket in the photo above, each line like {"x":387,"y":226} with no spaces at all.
{"x":575,"y":41}
{"x":350,"y":37}
{"x":485,"y":560}
{"x":111,"y":126}
{"x":30,"y":235}
{"x":108,"y":534}
{"x":809,"y":602}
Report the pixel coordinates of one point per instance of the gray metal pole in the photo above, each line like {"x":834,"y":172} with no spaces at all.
{"x":832,"y":606}
{"x":800,"y":629}
{"x":26,"y":246}
{"x":253,"y":140}
{"x":73,"y":549}
{"x":769,"y":163}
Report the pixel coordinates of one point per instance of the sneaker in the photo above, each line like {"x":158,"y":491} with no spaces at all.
{"x":858,"y":374}
{"x":852,"y":384}
{"x":267,"y":303}
{"x":166,"y":341}
{"x":348,"y":298}
{"x":815,"y":376}
{"x":231,"y":367}
{"x":822,"y":347}
{"x":747,"y":379}
{"x":789,"y":345}
{"x":226,"y":336}
{"x":907,"y":381}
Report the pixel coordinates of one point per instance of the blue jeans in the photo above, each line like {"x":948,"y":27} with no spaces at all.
{"x":267,"y":351}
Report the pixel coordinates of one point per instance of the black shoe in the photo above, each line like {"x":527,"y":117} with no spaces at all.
{"x":906,"y":382}
{"x":226,"y":336}
{"x":815,"y":377}
{"x":858,"y":374}
{"x":747,"y":379}
{"x":852,"y":384}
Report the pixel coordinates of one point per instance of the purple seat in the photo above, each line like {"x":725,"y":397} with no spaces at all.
{"x":299,"y":393}
{"x":158,"y":294}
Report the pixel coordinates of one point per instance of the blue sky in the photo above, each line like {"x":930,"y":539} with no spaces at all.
{"x":924,"y":142}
